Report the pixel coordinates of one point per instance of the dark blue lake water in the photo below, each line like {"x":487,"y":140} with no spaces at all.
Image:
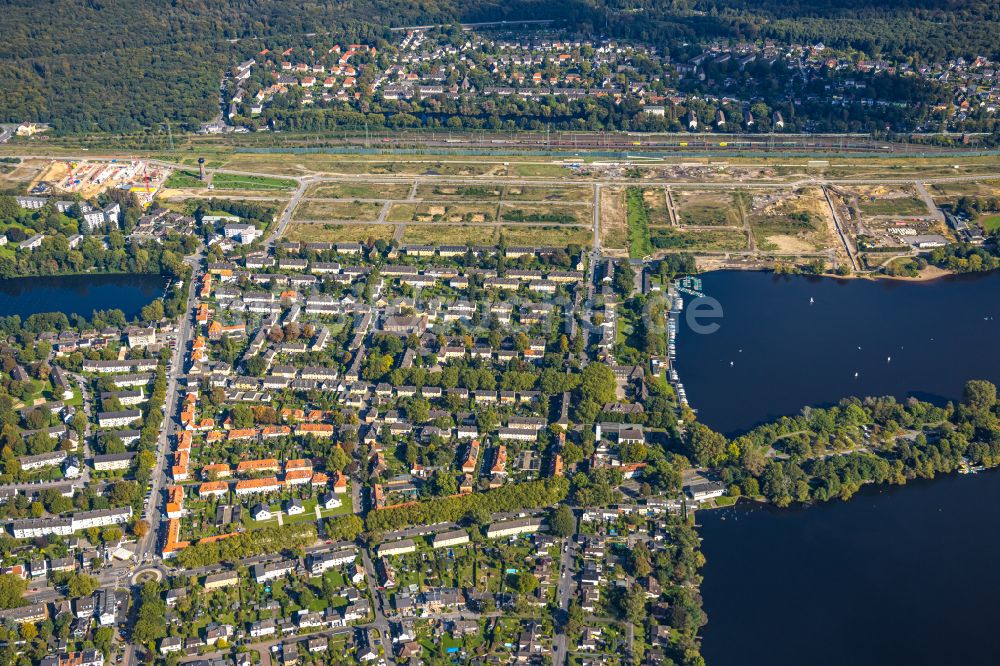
{"x":899,"y":575}
{"x":896,"y":575}
{"x":79,"y":294}
{"x":776,"y":352}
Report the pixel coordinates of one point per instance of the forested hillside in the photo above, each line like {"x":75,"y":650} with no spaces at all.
{"x":927,"y":29}
{"x":120,"y":65}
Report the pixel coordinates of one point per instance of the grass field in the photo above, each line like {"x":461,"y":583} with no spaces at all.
{"x":546,"y":235}
{"x":538,"y":170}
{"x":546,"y":213}
{"x":947,"y":190}
{"x":337,"y":210}
{"x":185,"y":179}
{"x":693,"y":241}
{"x":893,"y":206}
{"x":424,"y":234}
{"x":229,"y":181}
{"x":538,"y":193}
{"x":338,"y":233}
{"x":990,"y":223}
{"x":211,"y":164}
{"x":707,"y":209}
{"x":637,"y":216}
{"x":448,"y":191}
{"x":359,"y":191}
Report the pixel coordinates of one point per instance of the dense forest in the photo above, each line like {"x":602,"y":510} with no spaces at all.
{"x":922,"y":29}
{"x":120,"y":65}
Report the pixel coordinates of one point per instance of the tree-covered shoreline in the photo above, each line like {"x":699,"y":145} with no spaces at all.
{"x":827,"y":453}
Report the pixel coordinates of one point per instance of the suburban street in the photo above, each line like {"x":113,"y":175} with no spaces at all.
{"x":564,"y":593}
{"x":146,"y":547}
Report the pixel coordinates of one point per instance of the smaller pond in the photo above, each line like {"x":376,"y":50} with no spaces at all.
{"x":79,"y":294}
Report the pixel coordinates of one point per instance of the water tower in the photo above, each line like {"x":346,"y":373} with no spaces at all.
{"x":201,"y":168}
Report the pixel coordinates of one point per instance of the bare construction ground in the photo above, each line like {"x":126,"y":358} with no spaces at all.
{"x":791,"y":222}
{"x":655,"y":199}
{"x":18,"y":177}
{"x":741,"y":208}
{"x":614,"y":225}
{"x":879,"y":200}
{"x":442,"y":212}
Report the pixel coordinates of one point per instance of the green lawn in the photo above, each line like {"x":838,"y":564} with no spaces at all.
{"x":185,"y":179}
{"x":77,"y":399}
{"x":693,"y":241}
{"x":228,"y":181}
{"x":990,"y":223}
{"x":342,"y":510}
{"x":639,"y":244}
{"x":896,"y":206}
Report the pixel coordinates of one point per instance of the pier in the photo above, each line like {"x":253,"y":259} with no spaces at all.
{"x":676,"y":307}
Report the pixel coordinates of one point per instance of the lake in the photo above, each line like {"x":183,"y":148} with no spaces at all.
{"x":899,"y":575}
{"x":775,"y":352}
{"x":79,"y":294}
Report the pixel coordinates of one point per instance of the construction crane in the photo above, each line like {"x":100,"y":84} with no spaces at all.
{"x":145,"y":177}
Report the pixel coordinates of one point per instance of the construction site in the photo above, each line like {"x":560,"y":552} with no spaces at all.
{"x":88,"y":179}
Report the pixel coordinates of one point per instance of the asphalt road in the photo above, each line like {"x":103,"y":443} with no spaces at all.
{"x":564,"y":592}
{"x":153,"y":513}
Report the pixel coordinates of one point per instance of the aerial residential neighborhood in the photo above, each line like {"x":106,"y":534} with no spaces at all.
{"x":306,"y":395}
{"x":710,"y":89}
{"x":564,"y":334}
